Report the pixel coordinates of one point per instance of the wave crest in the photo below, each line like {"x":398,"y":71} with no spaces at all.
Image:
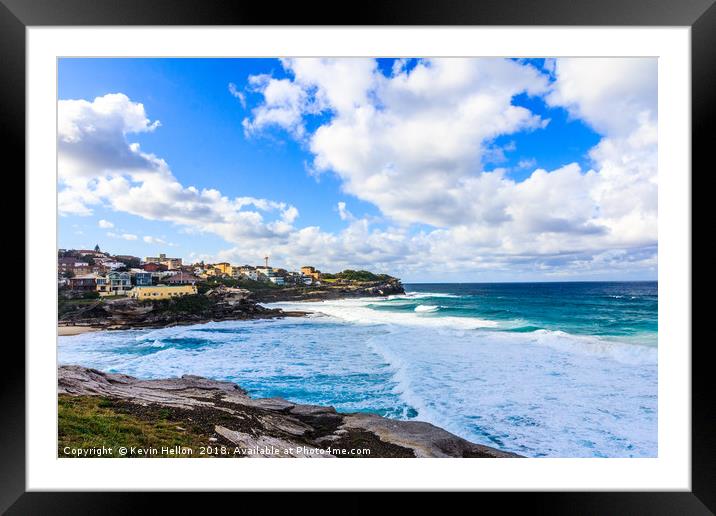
{"x":426,"y":308}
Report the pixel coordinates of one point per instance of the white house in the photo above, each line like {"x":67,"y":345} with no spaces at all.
{"x":112,"y":264}
{"x":252,"y":274}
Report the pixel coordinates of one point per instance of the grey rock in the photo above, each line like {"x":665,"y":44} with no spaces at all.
{"x":268,"y":423}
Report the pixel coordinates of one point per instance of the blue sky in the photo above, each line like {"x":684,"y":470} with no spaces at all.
{"x":202,"y":139}
{"x":209,"y":138}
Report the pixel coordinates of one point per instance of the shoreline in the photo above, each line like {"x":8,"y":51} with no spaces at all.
{"x":69,"y":330}
{"x":220,"y":304}
{"x":619,"y":358}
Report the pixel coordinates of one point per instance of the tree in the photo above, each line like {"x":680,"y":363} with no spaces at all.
{"x":96,"y":248}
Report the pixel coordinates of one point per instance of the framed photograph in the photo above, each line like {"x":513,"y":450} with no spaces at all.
{"x":457,"y":241}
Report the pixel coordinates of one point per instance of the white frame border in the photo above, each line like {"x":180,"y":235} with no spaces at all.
{"x":670,"y":471}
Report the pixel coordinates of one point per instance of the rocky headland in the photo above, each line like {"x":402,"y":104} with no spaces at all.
{"x":329,"y":291}
{"x":220,"y":303}
{"x":220,"y":415}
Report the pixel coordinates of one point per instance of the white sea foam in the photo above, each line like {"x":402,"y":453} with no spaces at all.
{"x":423,"y":295}
{"x":590,"y":345}
{"x":541,"y":393}
{"x":523,"y":393}
{"x":426,"y":308}
{"x":357,"y":311}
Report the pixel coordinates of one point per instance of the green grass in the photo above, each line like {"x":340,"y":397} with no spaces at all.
{"x":65,"y":306}
{"x":88,"y":422}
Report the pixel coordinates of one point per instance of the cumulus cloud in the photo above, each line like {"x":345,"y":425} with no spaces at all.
{"x":618,"y":97}
{"x":105,"y":224}
{"x":91,"y":137}
{"x":284,"y":104}
{"x":99,"y":165}
{"x":359,"y":245}
{"x":407,"y":143}
{"x":414,"y":144}
{"x":614,"y":96}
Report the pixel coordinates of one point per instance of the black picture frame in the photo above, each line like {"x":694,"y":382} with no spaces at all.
{"x":700,"y":15}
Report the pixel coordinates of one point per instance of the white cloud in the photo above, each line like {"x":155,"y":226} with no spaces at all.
{"x":74,"y":201}
{"x":283,"y":106}
{"x":148,"y":239}
{"x":412,"y":157}
{"x":615,"y":96}
{"x":341,"y":84}
{"x":91,"y":137}
{"x":235,"y":92}
{"x":618,"y":97}
{"x":124,"y":236}
{"x":343,"y":212}
{"x":105,"y":224}
{"x":98,"y":165}
{"x":526,"y":163}
{"x":405,"y":143}
{"x":413,"y":144}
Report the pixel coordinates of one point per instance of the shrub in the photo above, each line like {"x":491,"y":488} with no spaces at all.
{"x":360,"y":275}
{"x":194,"y":304}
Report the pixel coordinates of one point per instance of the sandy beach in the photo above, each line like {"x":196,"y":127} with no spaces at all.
{"x":66,"y":331}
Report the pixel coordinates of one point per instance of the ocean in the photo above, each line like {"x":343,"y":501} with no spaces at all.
{"x":539,"y":369}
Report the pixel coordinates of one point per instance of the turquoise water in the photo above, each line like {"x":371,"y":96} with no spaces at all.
{"x":607,"y":309}
{"x":545,"y":370}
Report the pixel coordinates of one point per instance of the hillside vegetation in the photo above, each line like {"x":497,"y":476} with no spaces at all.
{"x":352,"y":275}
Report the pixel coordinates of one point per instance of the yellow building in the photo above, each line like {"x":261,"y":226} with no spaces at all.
{"x":312,"y":272}
{"x":162,"y":292}
{"x":223,"y":268}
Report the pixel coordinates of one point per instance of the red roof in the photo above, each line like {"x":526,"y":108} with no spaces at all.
{"x":153,"y":267}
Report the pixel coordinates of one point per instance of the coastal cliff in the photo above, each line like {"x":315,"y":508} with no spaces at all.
{"x":330,"y":291}
{"x":188,"y":415}
{"x":219,"y":303}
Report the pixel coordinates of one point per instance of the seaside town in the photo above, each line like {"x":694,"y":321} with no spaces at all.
{"x":96,"y":273}
{"x":100,"y":290}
